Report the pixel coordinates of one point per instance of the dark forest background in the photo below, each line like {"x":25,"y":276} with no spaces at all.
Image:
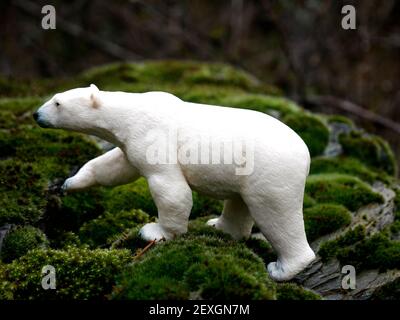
{"x":298,"y":46}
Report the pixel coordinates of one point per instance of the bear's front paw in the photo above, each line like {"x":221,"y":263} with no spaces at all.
{"x":66,"y":185}
{"x":213,"y":222}
{"x":154,"y":231}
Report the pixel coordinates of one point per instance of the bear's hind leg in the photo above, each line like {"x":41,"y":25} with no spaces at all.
{"x":110,"y":169}
{"x":235,"y":219}
{"x":280,"y":219}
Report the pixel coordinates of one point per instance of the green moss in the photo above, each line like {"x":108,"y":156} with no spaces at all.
{"x":205,"y":206}
{"x":154,"y":75}
{"x":21,"y":107}
{"x":35,"y":159}
{"x":52,"y":152}
{"x":207,"y":94}
{"x":292,"y":291}
{"x":68,"y":213}
{"x":264,"y":103}
{"x":6,"y":287}
{"x":206,"y":267}
{"x":137,"y":195}
{"x":376,"y":252}
{"x":7,"y":119}
{"x":345,"y":165}
{"x":371,"y":150}
{"x":97,"y":232}
{"x":129,"y":239}
{"x":221,"y":74}
{"x":66,"y":239}
{"x":261,"y":248}
{"x":311,"y":129}
{"x":389,"y":291}
{"x":397,"y":204}
{"x":336,"y":118}
{"x":20,"y":240}
{"x":346,"y":190}
{"x":21,"y":189}
{"x":80,"y":273}
{"x":32,"y":160}
{"x":395,"y":227}
{"x":325,"y":218}
{"x":308,"y":202}
{"x":130,"y":196}
{"x":13,"y":87}
{"x":331,"y":248}
{"x":67,"y":149}
{"x":199,"y":227}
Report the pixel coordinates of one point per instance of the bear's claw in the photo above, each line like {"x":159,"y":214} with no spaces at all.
{"x":212,"y":222}
{"x":153,"y":231}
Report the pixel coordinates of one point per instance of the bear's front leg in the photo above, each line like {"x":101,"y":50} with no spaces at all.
{"x":109,"y":169}
{"x":173,"y":198}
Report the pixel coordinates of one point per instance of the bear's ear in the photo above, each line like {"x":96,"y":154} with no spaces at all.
{"x":94,"y":88}
{"x":94,"y":96}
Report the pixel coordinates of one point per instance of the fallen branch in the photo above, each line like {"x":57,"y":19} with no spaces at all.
{"x":147,"y":247}
{"x":354,"y":109}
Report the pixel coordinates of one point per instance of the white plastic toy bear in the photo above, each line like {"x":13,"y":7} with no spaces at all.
{"x":265,"y":186}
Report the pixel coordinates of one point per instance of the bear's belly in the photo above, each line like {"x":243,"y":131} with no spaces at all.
{"x":219,"y":182}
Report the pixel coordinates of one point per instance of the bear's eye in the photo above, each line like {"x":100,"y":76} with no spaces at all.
{"x":57,"y":104}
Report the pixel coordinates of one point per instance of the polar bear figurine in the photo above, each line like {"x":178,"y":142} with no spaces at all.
{"x":268,"y":191}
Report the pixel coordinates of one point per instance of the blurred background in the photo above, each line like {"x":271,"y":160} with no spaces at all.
{"x":297,"y":46}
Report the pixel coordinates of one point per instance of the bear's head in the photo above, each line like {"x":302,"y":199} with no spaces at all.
{"x":74,"y":109}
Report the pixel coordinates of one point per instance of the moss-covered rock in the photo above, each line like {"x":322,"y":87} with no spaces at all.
{"x":6,"y":287}
{"x":375,"y":252}
{"x":19,"y":107}
{"x":135,"y":195}
{"x":179,"y":73}
{"x":308,"y":201}
{"x":371,"y":150}
{"x":20,"y":240}
{"x":389,"y":291}
{"x":80,"y":273}
{"x":70,"y":212}
{"x":330,"y":249}
{"x":202,"y":267}
{"x":346,"y":165}
{"x":129,"y":239}
{"x":346,"y":190}
{"x":311,"y":129}
{"x":97,"y":232}
{"x":262,"y":248}
{"x":205,"y":206}
{"x":31,"y":159}
{"x":34,"y":162}
{"x":325,"y":218}
{"x":199,"y":227}
{"x":336,"y":118}
{"x":292,"y":291}
{"x":276,"y":106}
{"x":21,"y":187}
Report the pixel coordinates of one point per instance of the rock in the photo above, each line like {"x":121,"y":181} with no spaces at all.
{"x":3,"y":233}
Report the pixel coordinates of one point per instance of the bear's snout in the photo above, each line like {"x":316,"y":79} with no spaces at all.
{"x":40,"y":121}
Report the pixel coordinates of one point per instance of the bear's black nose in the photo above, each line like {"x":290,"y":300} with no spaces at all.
{"x":36,"y":115}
